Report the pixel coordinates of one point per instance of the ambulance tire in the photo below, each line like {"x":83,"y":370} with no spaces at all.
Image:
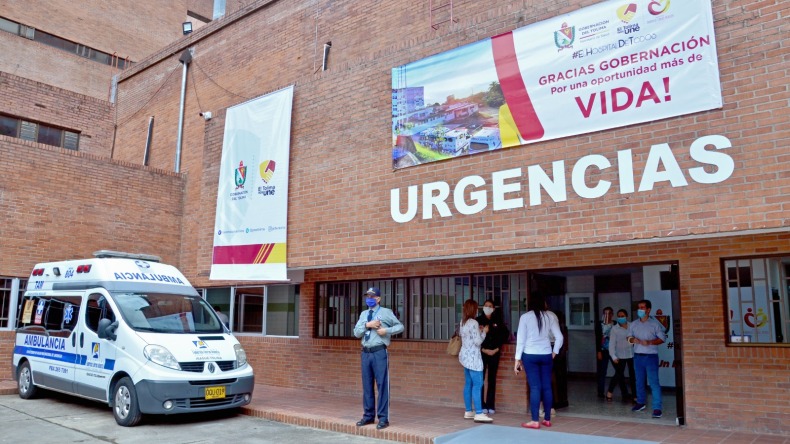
{"x":124,"y":405}
{"x":25,"y":382}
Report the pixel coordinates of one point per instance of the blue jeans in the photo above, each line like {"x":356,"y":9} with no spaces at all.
{"x":375,"y":368}
{"x":538,"y":370}
{"x":647,"y":364}
{"x":473,"y":383}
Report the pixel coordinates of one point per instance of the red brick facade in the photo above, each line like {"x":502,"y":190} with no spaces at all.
{"x":58,"y":205}
{"x":39,"y":102}
{"x":341,"y":176}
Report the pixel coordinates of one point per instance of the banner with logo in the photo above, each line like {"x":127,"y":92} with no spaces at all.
{"x":252,"y":201}
{"x":605,"y":66}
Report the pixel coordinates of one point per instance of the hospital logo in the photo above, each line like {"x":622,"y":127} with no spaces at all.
{"x":626,"y":13}
{"x":240,"y":175}
{"x":564,"y":37}
{"x":200,"y":344}
{"x":95,"y":350}
{"x":267,"y":170}
{"x":658,"y":7}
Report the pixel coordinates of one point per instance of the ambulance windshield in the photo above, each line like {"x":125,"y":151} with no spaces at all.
{"x":167,"y":313}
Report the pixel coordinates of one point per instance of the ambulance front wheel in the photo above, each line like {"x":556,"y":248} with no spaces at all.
{"x":125,"y":407}
{"x":25,"y":379}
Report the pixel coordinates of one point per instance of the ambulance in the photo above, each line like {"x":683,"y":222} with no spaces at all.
{"x":129,"y":331}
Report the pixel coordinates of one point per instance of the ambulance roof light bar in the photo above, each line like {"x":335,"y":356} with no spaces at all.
{"x":122,"y":255}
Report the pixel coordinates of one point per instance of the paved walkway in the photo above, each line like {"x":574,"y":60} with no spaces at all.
{"x":421,"y":423}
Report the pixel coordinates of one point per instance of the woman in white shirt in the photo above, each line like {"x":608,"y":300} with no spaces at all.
{"x":535,"y":354}
{"x":471,"y":338}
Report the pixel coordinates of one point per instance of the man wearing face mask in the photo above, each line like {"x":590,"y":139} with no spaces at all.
{"x":375,"y":326}
{"x":646,"y":334}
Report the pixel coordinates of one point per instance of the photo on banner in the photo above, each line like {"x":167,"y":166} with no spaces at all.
{"x":252,"y":197}
{"x":604,"y":66}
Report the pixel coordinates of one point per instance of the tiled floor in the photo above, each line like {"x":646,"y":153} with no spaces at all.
{"x":412,"y":422}
{"x":420,"y":423}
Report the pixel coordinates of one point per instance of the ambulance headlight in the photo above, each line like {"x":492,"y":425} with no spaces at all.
{"x":241,"y":356}
{"x":162,"y":356}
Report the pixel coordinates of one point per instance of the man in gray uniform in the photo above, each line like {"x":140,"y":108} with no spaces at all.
{"x":375,"y":326}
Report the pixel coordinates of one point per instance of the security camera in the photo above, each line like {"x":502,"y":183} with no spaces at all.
{"x":206,"y":115}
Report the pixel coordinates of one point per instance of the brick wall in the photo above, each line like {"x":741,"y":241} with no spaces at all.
{"x":341,"y":135}
{"x":717,"y":378}
{"x":40,"y":102}
{"x":6,"y":354}
{"x":60,"y":205}
{"x":42,"y":63}
{"x":130,"y":29}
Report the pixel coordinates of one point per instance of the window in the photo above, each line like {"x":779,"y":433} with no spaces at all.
{"x":38,"y":132}
{"x":55,"y":315}
{"x":98,"y":308}
{"x":271,"y":310}
{"x":757,"y":299}
{"x":9,"y":295}
{"x":63,"y":44}
{"x":430,"y":308}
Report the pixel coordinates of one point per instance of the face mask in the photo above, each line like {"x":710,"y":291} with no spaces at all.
{"x":371,"y":302}
{"x":488,"y":310}
{"x":641,"y":313}
{"x":622,"y":321}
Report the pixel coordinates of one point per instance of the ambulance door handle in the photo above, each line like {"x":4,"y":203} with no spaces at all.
{"x":74,"y":340}
{"x":82,"y":339}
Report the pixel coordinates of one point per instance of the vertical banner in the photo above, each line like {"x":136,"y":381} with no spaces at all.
{"x":252,"y":200}
{"x":605,"y":66}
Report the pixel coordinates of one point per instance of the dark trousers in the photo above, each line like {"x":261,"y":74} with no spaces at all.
{"x":603,"y":367}
{"x":560,"y":381}
{"x":375,"y":367}
{"x":619,"y":378}
{"x":490,"y":367}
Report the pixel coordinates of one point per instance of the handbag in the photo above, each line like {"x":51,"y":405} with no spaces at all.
{"x":454,"y":346}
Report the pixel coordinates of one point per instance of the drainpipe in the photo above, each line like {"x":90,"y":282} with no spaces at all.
{"x":185,"y":58}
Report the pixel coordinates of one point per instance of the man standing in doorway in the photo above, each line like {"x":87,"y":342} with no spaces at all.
{"x":375,"y":326}
{"x":646,"y":333}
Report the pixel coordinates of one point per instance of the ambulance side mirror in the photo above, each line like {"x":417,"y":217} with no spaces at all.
{"x":107,"y":329}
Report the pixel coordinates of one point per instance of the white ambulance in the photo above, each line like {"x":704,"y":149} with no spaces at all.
{"x":130,"y":331}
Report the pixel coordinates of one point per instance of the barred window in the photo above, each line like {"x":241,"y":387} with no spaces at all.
{"x":430,"y":308}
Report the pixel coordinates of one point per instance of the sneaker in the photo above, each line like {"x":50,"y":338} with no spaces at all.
{"x":656,"y":413}
{"x":638,"y":407}
{"x":482,"y":417}
{"x":469,"y":415}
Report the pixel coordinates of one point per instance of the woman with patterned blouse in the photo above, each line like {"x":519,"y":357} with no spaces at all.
{"x":471,"y":338}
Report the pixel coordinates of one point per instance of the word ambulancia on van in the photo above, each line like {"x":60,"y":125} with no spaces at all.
{"x":127,"y":330}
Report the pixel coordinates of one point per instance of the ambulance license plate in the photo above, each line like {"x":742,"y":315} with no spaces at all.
{"x":215,"y":392}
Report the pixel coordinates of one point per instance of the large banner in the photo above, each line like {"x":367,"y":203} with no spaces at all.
{"x":252,"y":201}
{"x":609,"y":65}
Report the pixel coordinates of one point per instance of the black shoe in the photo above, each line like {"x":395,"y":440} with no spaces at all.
{"x":382,"y":425}
{"x":364,"y":422}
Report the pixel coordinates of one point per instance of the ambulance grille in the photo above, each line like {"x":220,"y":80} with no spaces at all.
{"x":197,"y":367}
{"x":226,"y":365}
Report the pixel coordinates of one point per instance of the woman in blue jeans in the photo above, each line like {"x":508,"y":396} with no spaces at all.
{"x":471,"y":338}
{"x":535,"y":354}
